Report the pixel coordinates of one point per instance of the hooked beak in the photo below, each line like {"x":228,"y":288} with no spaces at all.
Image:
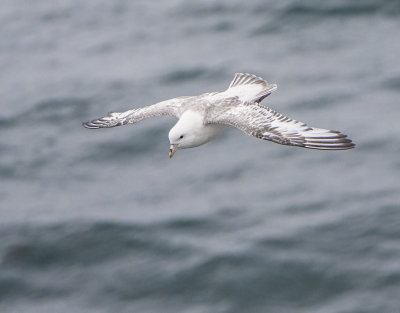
{"x":172,"y":150}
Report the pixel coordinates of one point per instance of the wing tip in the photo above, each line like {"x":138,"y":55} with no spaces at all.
{"x":90,"y":125}
{"x":330,"y":147}
{"x":101,"y":123}
{"x":338,"y":142}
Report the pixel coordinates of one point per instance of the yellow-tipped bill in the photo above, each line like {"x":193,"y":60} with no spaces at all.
{"x":172,"y":150}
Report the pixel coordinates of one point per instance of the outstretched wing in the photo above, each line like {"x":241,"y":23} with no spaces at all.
{"x":169,"y":108}
{"x":264,"y":123}
{"x":249,"y":88}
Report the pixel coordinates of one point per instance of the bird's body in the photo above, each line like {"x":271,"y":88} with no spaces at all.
{"x":203,"y":117}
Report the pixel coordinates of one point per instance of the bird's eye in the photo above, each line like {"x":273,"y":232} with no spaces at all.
{"x":181,"y":137}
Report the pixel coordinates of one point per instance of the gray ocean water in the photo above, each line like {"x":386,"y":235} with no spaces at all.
{"x":102,"y":220}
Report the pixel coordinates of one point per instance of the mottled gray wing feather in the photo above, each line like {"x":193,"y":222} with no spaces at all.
{"x":170,"y":108}
{"x":264,"y":123}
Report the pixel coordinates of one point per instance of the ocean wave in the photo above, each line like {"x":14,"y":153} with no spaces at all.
{"x":286,"y":17}
{"x":184,"y":75}
{"x":126,"y":146}
{"x":76,"y":244}
{"x":51,"y":111}
{"x":332,"y":9}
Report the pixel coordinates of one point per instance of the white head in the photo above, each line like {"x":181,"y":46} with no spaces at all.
{"x":186,"y":133}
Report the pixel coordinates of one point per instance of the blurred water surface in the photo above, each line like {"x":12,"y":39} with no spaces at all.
{"x":103,"y":221}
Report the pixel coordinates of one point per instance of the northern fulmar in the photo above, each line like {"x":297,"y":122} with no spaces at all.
{"x":203,"y":117}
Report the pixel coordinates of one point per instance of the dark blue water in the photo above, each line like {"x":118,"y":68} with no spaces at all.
{"x":103,"y":221}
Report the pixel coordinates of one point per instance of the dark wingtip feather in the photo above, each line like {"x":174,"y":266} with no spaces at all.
{"x":335,"y":141}
{"x":340,"y":144}
{"x":102,"y":123}
{"x":90,"y":125}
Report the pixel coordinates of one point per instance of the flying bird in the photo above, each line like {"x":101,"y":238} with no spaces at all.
{"x":203,"y":117}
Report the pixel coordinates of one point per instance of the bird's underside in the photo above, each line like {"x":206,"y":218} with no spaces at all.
{"x":238,"y":106}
